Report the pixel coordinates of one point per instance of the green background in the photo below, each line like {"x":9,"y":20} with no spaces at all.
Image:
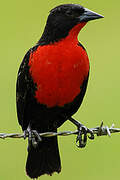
{"x":21,"y":25}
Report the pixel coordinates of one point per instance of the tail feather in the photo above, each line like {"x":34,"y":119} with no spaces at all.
{"x":44,"y":159}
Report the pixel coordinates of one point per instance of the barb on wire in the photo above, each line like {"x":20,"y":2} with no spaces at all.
{"x":99,"y":131}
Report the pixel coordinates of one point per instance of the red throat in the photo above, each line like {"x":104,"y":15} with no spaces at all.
{"x":59,"y":70}
{"x":75,"y":31}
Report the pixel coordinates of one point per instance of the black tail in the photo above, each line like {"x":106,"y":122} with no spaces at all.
{"x":44,"y":159}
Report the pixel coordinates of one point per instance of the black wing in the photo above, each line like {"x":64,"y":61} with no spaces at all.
{"x":25,"y":89}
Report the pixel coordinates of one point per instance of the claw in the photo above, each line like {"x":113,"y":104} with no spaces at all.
{"x":82,"y":133}
{"x":33,"y":137}
{"x":25,"y":134}
{"x":91,"y":134}
{"x":81,"y":141}
{"x":82,"y":136}
{"x":37,"y":135}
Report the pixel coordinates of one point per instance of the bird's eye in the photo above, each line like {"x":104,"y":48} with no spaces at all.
{"x":69,"y":13}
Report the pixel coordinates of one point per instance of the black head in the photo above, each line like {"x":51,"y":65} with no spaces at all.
{"x":63,"y":18}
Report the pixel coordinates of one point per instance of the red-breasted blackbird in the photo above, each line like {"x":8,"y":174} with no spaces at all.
{"x":51,"y":84}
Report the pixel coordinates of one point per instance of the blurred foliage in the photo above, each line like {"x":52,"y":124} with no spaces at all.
{"x":22,"y":23}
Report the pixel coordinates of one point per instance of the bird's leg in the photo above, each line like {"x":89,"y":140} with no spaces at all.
{"x":82,"y":133}
{"x":33,"y":137}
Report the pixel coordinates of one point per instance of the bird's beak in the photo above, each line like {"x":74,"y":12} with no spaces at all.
{"x":89,"y":15}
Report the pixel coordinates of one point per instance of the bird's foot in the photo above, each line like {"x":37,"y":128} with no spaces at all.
{"x":82,"y":133}
{"x":33,"y":137}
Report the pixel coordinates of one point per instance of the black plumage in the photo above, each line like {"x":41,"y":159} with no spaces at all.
{"x":35,"y":117}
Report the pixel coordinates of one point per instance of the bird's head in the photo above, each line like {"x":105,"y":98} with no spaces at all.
{"x":64,"y":17}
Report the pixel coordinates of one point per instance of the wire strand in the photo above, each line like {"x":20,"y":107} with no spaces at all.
{"x":99,"y":131}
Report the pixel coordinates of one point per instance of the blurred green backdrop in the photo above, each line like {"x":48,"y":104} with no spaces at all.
{"x":22,"y":23}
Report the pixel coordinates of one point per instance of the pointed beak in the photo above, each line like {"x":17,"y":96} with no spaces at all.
{"x":89,"y":15}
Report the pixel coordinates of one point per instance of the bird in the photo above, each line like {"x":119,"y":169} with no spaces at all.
{"x":51,"y":84}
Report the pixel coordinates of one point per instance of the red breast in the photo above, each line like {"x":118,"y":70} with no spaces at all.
{"x":59,"y":70}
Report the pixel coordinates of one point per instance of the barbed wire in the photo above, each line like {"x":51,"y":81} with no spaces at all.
{"x":99,"y":131}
